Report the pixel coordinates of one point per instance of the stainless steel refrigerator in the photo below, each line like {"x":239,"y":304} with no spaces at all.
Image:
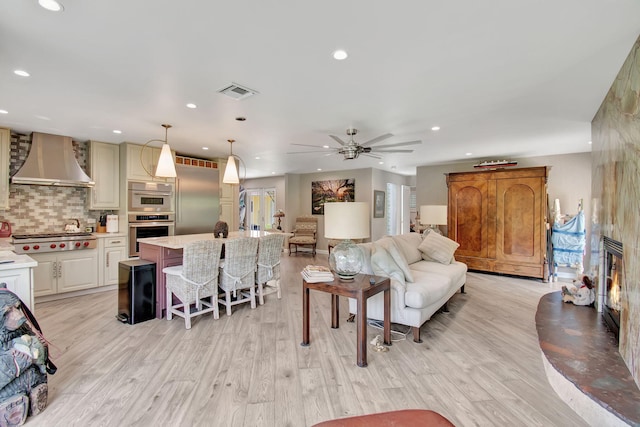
{"x":197,"y":199}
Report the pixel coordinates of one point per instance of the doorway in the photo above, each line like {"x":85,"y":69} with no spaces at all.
{"x":261,"y":206}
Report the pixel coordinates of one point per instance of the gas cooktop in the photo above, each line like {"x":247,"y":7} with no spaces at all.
{"x":49,"y":235}
{"x":50,"y":242}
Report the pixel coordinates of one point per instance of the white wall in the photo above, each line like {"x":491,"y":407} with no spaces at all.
{"x":363,"y":193}
{"x":298,"y":195}
{"x":292,"y":202}
{"x":569,"y":181}
{"x":379,"y":180}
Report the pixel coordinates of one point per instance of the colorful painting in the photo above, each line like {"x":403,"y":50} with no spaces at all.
{"x":337,"y":190}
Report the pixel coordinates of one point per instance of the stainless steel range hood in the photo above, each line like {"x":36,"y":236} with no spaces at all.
{"x":52,"y":161}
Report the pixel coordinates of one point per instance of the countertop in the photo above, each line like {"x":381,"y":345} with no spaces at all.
{"x":179,"y":242}
{"x":15,"y":261}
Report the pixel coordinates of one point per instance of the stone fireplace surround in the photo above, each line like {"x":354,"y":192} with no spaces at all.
{"x":584,"y":364}
{"x":615,"y":193}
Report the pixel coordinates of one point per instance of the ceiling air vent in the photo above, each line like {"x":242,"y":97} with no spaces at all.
{"x":236,"y":91}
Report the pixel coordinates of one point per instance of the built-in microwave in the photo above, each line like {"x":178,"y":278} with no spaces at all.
{"x":150,"y":197}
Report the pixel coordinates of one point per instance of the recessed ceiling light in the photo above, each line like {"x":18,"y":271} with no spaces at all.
{"x":241,"y":119}
{"x":325,"y":146}
{"x":192,"y":105}
{"x":205,"y":148}
{"x":381,"y":163}
{"x":319,"y":169}
{"x":468,"y":154}
{"x":117,"y":131}
{"x":435,"y":128}
{"x":51,"y":5}
{"x":4,"y":112}
{"x":21,"y":73}
{"x":590,"y":142}
{"x":273,"y":173}
{"x":257,"y":157}
{"x":43,"y":117}
{"x":340,"y":55}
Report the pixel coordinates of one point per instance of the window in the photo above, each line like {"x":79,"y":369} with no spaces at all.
{"x":261,"y":206}
{"x":398,"y":208}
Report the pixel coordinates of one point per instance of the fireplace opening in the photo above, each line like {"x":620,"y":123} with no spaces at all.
{"x":614,"y":280}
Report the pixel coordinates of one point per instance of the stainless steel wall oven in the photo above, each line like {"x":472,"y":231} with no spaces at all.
{"x":150,"y":197}
{"x":141,"y":226}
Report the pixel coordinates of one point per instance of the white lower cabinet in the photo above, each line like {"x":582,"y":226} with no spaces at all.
{"x":59,"y":272}
{"x":18,"y":278}
{"x":111,"y":250}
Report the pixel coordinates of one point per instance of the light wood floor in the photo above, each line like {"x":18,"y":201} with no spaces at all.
{"x":479,"y":365}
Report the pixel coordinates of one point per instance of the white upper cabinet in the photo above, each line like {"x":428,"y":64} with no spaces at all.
{"x":5,"y":143}
{"x":104,"y":169}
{"x":141,"y":164}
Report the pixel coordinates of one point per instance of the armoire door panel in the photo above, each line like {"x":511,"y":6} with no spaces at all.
{"x":469,"y":222}
{"x":518,"y":220}
{"x":471,"y":202}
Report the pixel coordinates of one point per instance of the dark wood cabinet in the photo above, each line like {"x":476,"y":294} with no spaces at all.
{"x":499,"y":218}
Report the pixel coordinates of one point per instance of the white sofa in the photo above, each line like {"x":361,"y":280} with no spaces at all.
{"x":424,"y":276}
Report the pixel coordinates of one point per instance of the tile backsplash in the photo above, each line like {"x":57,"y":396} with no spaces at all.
{"x":42,"y":208}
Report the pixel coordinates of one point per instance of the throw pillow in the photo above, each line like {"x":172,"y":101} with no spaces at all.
{"x":408,"y":244}
{"x":388,"y":244}
{"x":438,"y":248}
{"x":366,"y":256}
{"x":383,"y":264}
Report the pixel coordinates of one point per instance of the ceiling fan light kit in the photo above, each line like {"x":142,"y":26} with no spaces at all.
{"x":352,"y":150}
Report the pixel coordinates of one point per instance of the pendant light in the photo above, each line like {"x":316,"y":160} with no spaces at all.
{"x":231,"y":171}
{"x":166,"y":168}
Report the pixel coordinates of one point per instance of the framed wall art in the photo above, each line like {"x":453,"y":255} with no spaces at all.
{"x":378,"y":203}
{"x":337,"y":190}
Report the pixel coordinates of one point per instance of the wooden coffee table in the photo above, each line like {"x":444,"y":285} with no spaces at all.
{"x":361,"y":288}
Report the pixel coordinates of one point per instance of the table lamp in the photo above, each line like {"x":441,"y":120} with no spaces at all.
{"x":433,"y":216}
{"x":346,"y":221}
{"x":279,"y":214}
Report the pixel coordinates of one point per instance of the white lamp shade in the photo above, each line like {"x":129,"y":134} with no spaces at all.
{"x":231,"y":172}
{"x":166,"y":168}
{"x":433,"y":215}
{"x":346,"y":220}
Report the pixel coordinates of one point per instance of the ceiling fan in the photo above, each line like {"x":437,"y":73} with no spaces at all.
{"x":351,"y":149}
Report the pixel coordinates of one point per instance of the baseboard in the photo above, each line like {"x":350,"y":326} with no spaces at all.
{"x":55,"y":297}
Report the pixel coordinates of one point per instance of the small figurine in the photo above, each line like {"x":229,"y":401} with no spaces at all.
{"x":583,"y":295}
{"x":221,"y":229}
{"x":377,"y":344}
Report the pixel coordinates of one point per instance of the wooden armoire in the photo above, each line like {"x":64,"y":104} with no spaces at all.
{"x":499,"y":218}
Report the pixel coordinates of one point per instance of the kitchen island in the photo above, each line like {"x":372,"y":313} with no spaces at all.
{"x":167,"y":251}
